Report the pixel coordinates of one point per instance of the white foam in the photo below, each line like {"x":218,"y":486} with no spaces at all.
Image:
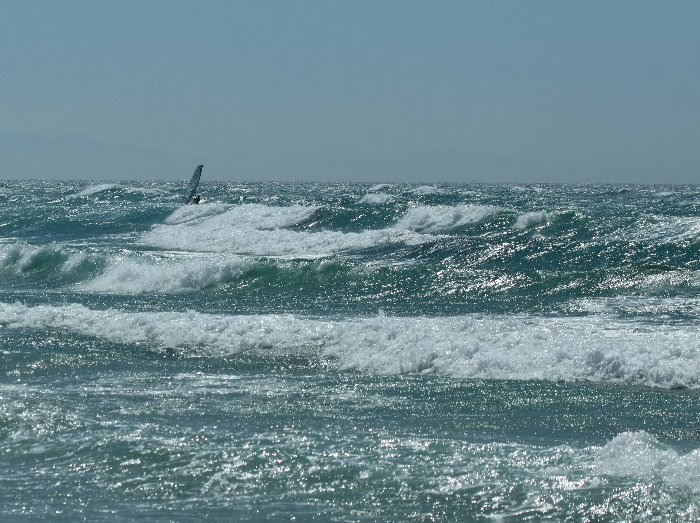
{"x":105,"y":187}
{"x":668,"y":229}
{"x":506,"y":347}
{"x":675,"y":278}
{"x":380,"y":187}
{"x":530,"y":219}
{"x":265,"y":217}
{"x":639,"y":454}
{"x":377,"y":198}
{"x":144,"y":190}
{"x":256,"y":216}
{"x":426,"y":189}
{"x":94,"y":189}
{"x":261,"y":231}
{"x":442,"y":218}
{"x":129,"y":275}
{"x":220,"y":334}
{"x":523,"y":347}
{"x":188,"y":213}
{"x":658,"y":307}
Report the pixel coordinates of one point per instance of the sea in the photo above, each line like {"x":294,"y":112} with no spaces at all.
{"x":349,"y":352}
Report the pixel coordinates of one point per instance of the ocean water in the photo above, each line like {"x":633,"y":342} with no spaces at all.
{"x":349,"y":352}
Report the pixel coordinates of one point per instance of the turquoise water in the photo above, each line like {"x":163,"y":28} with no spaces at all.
{"x":349,"y":352}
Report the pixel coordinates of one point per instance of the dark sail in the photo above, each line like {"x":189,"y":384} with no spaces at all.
{"x":194,"y":182}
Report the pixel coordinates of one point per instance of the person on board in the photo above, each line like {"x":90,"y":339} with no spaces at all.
{"x":196,"y":198}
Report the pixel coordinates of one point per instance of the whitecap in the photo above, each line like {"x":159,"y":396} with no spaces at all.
{"x":493,"y":347}
{"x":639,"y":454}
{"x":94,"y":189}
{"x":530,"y":219}
{"x":443,"y":218}
{"x":129,"y":275}
{"x":377,"y":198}
{"x":262,"y":230}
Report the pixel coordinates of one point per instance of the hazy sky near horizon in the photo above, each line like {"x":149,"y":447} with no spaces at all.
{"x":369,"y":90}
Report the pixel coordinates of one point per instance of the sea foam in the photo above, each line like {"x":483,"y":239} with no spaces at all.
{"x":444,"y":218}
{"x":136,"y":275}
{"x":665,"y":229}
{"x":493,"y":347}
{"x":377,"y":198}
{"x":262,"y":230}
{"x":108,"y":187}
{"x":639,"y":454}
{"x":94,"y":189}
{"x":530,"y":219}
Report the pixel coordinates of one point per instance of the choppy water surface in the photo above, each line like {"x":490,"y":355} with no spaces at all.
{"x":349,"y":352}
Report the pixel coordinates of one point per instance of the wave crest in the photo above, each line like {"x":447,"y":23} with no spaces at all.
{"x":136,"y":276}
{"x":639,"y":454}
{"x":23,"y":260}
{"x":518,"y":348}
{"x":443,"y":218}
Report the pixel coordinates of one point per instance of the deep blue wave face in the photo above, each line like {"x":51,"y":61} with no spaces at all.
{"x":349,"y":351}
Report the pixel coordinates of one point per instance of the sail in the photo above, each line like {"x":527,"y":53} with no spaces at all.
{"x":194,"y":182}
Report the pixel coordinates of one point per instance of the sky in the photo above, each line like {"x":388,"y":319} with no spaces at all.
{"x":357,"y":90}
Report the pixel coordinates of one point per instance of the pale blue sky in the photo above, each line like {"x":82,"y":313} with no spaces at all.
{"x":523,"y":91}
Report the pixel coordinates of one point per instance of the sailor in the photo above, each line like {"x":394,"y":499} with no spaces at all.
{"x":196,"y":198}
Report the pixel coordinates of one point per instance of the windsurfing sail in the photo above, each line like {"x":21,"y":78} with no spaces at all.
{"x":194,"y":182}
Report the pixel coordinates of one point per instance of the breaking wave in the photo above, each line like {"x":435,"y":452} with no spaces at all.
{"x":94,"y":189}
{"x":444,"y":218}
{"x":261,"y":230}
{"x":22,"y":260}
{"x":483,"y":347}
{"x":377,"y":198}
{"x":129,"y":275}
{"x":666,"y":229}
{"x":530,"y":219}
{"x":639,"y":454}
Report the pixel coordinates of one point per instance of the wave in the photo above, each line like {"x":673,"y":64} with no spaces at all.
{"x":426,"y":190}
{"x":639,"y":454}
{"x":376,"y":198}
{"x":666,"y":229}
{"x":188,"y":213}
{"x":129,"y":275}
{"x":94,"y":189}
{"x":114,"y":187}
{"x":443,"y":218}
{"x":24,"y":260}
{"x":481,"y":347}
{"x":380,"y":187}
{"x":262,"y":230}
{"x":530,"y":219}
{"x":658,"y":308}
{"x":525,"y":347}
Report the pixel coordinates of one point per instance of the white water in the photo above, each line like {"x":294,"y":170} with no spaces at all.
{"x":263,"y":231}
{"x":136,"y":275}
{"x":530,"y":219}
{"x":641,"y":455}
{"x":443,"y":218}
{"x":377,"y":198}
{"x":508,"y":347}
